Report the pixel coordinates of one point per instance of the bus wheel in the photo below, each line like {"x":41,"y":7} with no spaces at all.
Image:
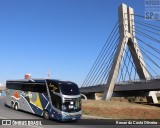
{"x":16,"y":106}
{"x":46,"y":114}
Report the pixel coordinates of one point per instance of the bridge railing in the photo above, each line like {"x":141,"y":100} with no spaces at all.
{"x":138,"y":80}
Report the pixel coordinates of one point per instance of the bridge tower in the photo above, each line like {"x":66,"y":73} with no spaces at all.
{"x":127,"y":38}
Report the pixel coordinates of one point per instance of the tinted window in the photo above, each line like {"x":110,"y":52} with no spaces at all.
{"x":66,"y":88}
{"x":9,"y":86}
{"x":15,"y":86}
{"x":53,"y":87}
{"x":56,"y":101}
{"x":69,"y":89}
{"x":32,"y":87}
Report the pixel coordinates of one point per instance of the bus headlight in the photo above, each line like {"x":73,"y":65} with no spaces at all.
{"x":67,"y":114}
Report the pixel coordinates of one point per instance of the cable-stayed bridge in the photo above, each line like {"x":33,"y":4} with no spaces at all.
{"x":129,"y":62}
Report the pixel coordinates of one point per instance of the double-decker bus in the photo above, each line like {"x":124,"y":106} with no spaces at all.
{"x":52,"y":99}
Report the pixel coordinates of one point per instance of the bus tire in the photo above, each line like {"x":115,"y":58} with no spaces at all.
{"x":16,"y":106}
{"x":46,"y":114}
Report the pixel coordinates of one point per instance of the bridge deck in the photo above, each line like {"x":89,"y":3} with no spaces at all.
{"x":149,"y":85}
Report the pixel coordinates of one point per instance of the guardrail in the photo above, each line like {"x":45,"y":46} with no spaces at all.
{"x":137,"y":80}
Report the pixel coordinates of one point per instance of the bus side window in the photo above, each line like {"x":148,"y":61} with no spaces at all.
{"x":54,"y":88}
{"x":24,"y":87}
{"x":40,"y":87}
{"x":18,"y":86}
{"x":9,"y":85}
{"x":44,"y":89}
{"x":56,"y":101}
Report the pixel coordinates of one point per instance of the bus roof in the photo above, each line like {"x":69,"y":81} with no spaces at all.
{"x":38,"y":80}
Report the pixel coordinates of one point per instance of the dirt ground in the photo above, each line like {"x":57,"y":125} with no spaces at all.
{"x":120,"y":110}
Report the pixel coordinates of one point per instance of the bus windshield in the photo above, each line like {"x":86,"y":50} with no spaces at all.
{"x":66,"y":88}
{"x":69,"y":89}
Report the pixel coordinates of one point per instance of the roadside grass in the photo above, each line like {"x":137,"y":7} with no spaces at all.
{"x":119,"y":110}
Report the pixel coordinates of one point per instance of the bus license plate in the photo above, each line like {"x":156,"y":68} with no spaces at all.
{"x":73,"y":118}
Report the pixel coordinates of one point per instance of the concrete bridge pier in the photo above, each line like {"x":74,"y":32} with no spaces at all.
{"x":127,"y":38}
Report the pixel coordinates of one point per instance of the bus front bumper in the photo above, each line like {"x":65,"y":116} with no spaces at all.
{"x":70,"y":117}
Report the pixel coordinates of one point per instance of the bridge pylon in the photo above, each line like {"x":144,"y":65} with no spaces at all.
{"x":127,"y":38}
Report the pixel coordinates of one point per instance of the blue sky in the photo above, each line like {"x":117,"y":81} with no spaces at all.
{"x":64,"y":36}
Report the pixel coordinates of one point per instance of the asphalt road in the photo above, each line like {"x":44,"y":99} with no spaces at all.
{"x":8,"y":113}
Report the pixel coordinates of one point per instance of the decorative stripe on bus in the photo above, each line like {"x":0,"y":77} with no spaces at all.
{"x":47,"y":105}
{"x":44,"y":96}
{"x":36,"y":106}
{"x":15,"y":97}
{"x":28,"y":104}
